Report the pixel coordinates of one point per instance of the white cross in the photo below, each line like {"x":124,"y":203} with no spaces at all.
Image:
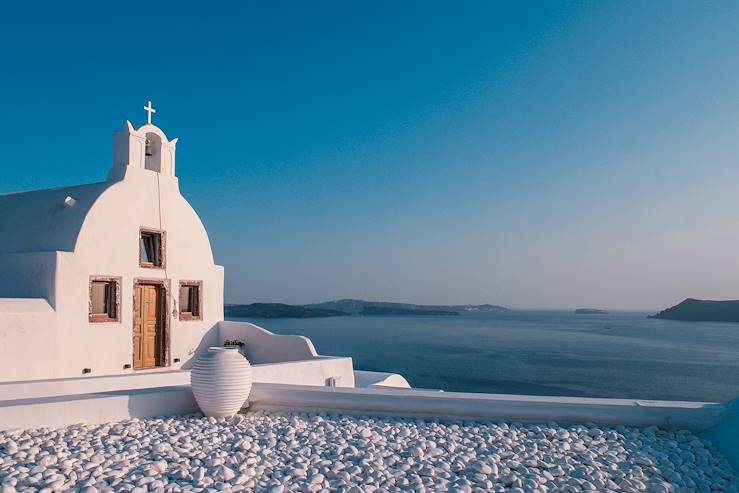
{"x":150,"y":110}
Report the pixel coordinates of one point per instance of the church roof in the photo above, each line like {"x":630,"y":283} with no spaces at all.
{"x":40,"y":221}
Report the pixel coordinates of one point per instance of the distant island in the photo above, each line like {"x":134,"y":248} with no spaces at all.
{"x":590,"y":311}
{"x":278,"y":310}
{"x":357,"y":307}
{"x":702,"y":311}
{"x":347,"y":307}
{"x":380,"y":310}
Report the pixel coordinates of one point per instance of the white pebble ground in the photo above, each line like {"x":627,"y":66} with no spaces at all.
{"x":274,"y":452}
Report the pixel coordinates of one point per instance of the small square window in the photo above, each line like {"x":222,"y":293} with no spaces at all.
{"x":190,"y":301}
{"x":104,"y":300}
{"x":151,"y":249}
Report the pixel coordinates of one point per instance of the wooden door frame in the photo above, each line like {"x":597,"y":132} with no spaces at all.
{"x":165,"y":350}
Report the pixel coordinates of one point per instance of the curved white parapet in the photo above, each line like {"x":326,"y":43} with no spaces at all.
{"x":221,"y":382}
{"x":262,"y":346}
{"x":364,"y":378}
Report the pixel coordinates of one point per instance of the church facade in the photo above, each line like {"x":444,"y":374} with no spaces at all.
{"x":110,"y":277}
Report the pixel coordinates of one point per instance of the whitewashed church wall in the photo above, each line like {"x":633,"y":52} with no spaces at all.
{"x":27,"y":340}
{"x":108,"y":245}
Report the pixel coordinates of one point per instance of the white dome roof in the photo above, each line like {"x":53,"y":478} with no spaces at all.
{"x":40,"y":221}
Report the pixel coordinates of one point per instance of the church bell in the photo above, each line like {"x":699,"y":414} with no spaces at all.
{"x":149,"y":149}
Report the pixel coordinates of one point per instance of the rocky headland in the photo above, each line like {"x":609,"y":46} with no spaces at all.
{"x":702,"y":311}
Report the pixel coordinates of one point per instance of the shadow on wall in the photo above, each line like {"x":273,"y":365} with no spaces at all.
{"x":210,"y":338}
{"x":163,"y":401}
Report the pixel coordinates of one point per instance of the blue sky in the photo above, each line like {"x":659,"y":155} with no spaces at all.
{"x":545,"y":154}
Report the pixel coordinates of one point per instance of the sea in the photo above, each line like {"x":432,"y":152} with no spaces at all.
{"x":617,"y":355}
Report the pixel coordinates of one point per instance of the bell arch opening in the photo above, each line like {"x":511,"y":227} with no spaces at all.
{"x":153,"y":158}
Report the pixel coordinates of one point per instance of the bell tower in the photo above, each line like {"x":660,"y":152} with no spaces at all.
{"x":143,"y":148}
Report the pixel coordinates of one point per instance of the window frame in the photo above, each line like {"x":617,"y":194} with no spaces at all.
{"x":116,"y":298}
{"x":188,"y":316}
{"x":162,"y":248}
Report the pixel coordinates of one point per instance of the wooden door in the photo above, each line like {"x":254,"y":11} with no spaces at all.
{"x":147,"y":326}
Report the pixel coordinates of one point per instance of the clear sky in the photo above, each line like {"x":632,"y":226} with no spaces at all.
{"x":552,"y":154}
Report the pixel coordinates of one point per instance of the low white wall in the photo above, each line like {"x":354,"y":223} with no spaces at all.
{"x":262,"y":346}
{"x":103,"y":407}
{"x":309,"y":372}
{"x":28,"y":336}
{"x":315,"y":372}
{"x":495,"y":407}
{"x":106,"y":407}
{"x":61,"y":402}
{"x":725,"y":435}
{"x":37,"y":389}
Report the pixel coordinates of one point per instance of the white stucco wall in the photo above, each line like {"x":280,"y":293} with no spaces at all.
{"x":108,"y":246}
{"x":28,"y":337}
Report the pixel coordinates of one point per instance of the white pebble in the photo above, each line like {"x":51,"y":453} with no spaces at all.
{"x":279,"y":452}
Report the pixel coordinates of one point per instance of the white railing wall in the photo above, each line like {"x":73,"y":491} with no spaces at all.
{"x":262,"y":346}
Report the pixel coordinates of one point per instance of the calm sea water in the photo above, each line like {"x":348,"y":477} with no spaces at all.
{"x":622,"y":354}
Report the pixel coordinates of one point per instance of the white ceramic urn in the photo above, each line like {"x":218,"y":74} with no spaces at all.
{"x":221,"y":381}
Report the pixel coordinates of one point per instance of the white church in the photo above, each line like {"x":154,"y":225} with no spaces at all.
{"x":118,"y":278}
{"x":109,"y":277}
{"x":109,"y":293}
